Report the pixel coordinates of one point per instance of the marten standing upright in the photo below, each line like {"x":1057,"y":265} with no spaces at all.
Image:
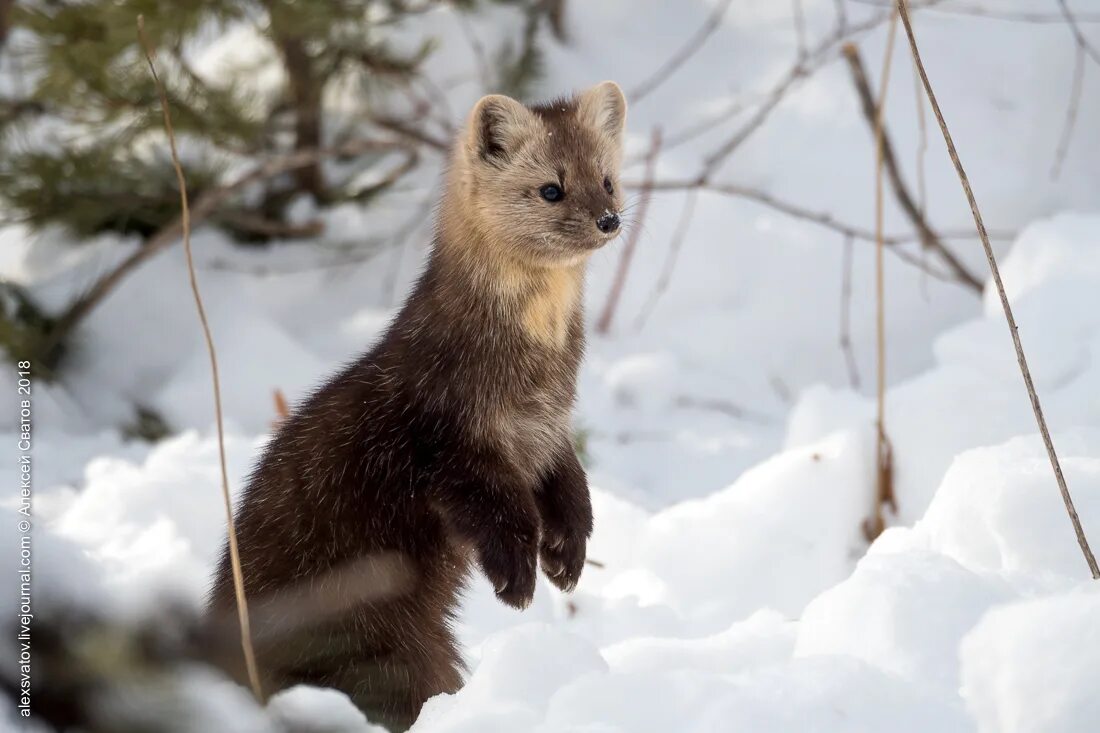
{"x":450,"y":441}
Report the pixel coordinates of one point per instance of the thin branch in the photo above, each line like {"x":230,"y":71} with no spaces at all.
{"x":1025,"y":372}
{"x":412,"y":158}
{"x":845,"y":337}
{"x":764,"y":198}
{"x":674,"y":247}
{"x":841,"y":15}
{"x":980,"y":11}
{"x":799,"y":28}
{"x":922,"y":146}
{"x":603,"y":325}
{"x":724,"y":407}
{"x":689,"y":49}
{"x":257,"y":224}
{"x":929,"y":238}
{"x":803,"y":68}
{"x":922,"y":150}
{"x":408,"y":131}
{"x":185,"y":225}
{"x":816,"y":59}
{"x":1072,"y":107}
{"x":822,"y":219}
{"x":1078,"y":35}
{"x":884,"y":452}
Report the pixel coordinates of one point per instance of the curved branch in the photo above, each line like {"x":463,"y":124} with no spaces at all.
{"x":689,"y":49}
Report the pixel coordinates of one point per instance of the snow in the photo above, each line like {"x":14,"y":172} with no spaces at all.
{"x":730,"y":457}
{"x":314,"y":710}
{"x":1032,"y":665}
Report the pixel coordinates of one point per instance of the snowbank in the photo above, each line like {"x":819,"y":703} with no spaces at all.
{"x":749,"y":608}
{"x":731,"y":472}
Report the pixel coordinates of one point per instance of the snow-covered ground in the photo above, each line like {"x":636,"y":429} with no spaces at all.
{"x":732,"y":464}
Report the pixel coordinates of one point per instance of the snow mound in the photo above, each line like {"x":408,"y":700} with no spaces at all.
{"x":1032,"y":666}
{"x":999,"y":510}
{"x":797,"y":514}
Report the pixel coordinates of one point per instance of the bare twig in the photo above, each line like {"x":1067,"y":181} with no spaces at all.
{"x":845,"y":337}
{"x":408,"y":131}
{"x":723,"y":407}
{"x":841,"y":15}
{"x":929,"y":238}
{"x":185,"y":226}
{"x":689,"y":49}
{"x":253,"y":223}
{"x":1071,"y":112}
{"x":980,"y":11}
{"x":1078,"y":34}
{"x":816,"y":58}
{"x":674,"y":247}
{"x":802,"y":69}
{"x":884,"y":452}
{"x":922,"y":149}
{"x":820,"y":218}
{"x":799,"y":28}
{"x":392,"y":176}
{"x":603,"y":325}
{"x":764,"y":198}
{"x":1025,"y":372}
{"x":922,"y":146}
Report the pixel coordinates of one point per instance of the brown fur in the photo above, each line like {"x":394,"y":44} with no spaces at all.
{"x":448,"y":445}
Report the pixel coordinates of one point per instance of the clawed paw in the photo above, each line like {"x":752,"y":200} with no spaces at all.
{"x":563,"y":559}
{"x":509,"y":563}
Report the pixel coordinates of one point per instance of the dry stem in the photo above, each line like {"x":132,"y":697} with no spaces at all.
{"x":603,"y":325}
{"x":185,"y":225}
{"x":884,"y":473}
{"x":1025,"y":372}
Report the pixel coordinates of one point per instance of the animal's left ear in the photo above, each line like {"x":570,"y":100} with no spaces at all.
{"x":604,"y":108}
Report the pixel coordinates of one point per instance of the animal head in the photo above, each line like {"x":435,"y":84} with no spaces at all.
{"x":543,"y":181}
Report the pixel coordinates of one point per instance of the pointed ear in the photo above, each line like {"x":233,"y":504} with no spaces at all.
{"x":604,"y":108}
{"x":497,"y":127}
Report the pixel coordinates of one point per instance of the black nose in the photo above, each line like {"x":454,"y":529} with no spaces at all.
{"x":608,"y":223}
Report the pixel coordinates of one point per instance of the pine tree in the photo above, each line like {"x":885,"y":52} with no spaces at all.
{"x":81,"y":137}
{"x":73,"y":145}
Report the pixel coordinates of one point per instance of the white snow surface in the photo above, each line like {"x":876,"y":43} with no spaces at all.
{"x":731,"y":461}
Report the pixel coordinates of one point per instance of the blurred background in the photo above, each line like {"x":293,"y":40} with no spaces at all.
{"x":732,"y":324}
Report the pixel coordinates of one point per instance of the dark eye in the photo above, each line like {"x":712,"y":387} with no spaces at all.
{"x":607,"y":185}
{"x":550,"y":192}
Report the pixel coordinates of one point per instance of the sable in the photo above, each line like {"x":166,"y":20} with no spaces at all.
{"x":448,"y":446}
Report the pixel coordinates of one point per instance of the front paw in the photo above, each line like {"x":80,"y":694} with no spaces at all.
{"x":508,"y":560}
{"x":562,"y":556}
